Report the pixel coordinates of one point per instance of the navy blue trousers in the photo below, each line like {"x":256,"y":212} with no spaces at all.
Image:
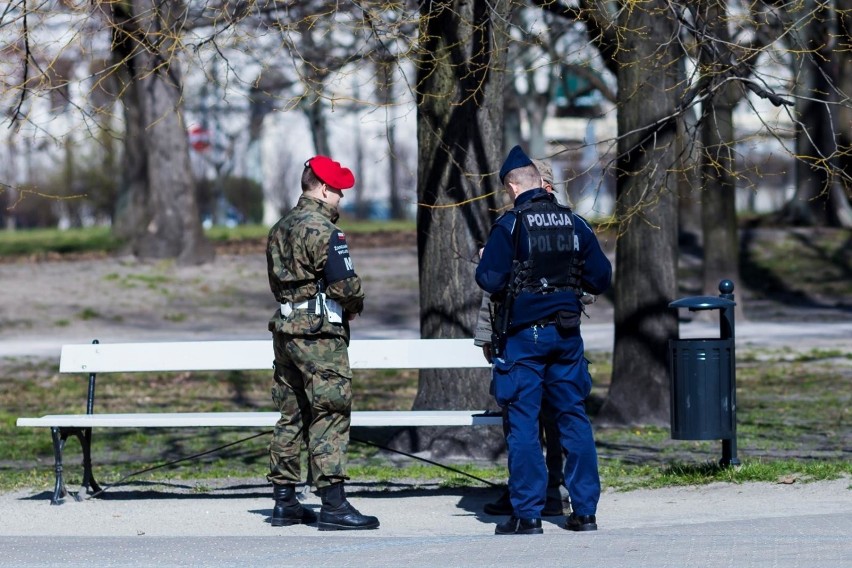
{"x":546,"y":361}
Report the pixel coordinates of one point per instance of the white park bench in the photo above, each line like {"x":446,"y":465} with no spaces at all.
{"x":98,"y":358}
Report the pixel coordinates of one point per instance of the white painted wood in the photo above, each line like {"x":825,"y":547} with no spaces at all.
{"x":166,"y":356}
{"x":257,"y":355}
{"x":257,"y":419}
{"x":416,"y":354}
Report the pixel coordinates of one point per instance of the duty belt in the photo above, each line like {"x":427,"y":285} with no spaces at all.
{"x":315,"y":306}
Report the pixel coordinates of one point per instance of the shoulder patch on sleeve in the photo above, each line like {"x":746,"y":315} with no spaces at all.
{"x":339,"y":265}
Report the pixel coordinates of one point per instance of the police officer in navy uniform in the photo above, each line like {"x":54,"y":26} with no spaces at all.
{"x":538,"y":259}
{"x":557,"y":496}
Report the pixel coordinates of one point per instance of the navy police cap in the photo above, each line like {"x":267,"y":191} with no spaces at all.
{"x":516,"y":159}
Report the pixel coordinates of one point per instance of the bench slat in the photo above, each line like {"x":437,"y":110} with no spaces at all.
{"x":372,"y":418}
{"x":257,"y":355}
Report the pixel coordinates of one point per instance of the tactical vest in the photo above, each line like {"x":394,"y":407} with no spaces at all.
{"x":554,"y":263}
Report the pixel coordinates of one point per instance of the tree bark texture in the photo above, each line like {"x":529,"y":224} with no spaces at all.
{"x":129,"y":217}
{"x":844,"y":113}
{"x":385,"y":93}
{"x":690,"y":232}
{"x":459,"y":104}
{"x":646,"y":209}
{"x":718,"y":164}
{"x":168,"y":226}
{"x":822,"y":187}
{"x":315,"y":112}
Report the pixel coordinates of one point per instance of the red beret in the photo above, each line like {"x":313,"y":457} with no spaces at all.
{"x":331,"y":173}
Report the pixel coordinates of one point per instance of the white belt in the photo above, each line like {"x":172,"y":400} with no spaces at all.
{"x":332,"y":307}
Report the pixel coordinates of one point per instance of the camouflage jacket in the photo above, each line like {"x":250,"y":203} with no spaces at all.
{"x":305,"y":254}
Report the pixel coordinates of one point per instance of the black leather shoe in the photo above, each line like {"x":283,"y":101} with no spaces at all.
{"x":502,"y":506}
{"x":345,"y":518}
{"x":288,"y":511}
{"x":554,"y":506}
{"x":519,"y":526}
{"x":581,"y":523}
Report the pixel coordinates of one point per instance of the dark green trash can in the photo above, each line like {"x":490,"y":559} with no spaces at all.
{"x":702,"y":373}
{"x":703,"y":378}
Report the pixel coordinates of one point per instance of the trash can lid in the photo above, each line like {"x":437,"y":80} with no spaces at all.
{"x":703,"y":303}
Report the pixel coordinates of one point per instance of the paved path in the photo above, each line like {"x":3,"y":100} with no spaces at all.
{"x":749,"y":525}
{"x":597,"y":336}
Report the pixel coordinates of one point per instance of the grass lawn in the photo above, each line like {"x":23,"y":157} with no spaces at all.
{"x":793,"y":411}
{"x":793,"y":424}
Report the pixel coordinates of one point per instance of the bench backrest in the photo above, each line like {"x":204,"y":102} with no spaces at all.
{"x":258,"y":355}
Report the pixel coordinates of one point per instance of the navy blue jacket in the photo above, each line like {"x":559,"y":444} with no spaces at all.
{"x":495,"y":268}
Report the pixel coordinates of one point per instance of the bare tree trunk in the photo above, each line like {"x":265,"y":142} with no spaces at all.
{"x":315,"y":111}
{"x":534,"y":102}
{"x":10,"y":222}
{"x":69,"y":216}
{"x":130,"y":206}
{"x":385,"y":70}
{"x":397,"y":206}
{"x":537,"y":112}
{"x":646,"y":207}
{"x":362,"y":207}
{"x":844,"y":115}
{"x":820,"y":198}
{"x":163,"y":218}
{"x":511,"y":118}
{"x":718,"y":178}
{"x":689,"y":185}
{"x":459,"y":135}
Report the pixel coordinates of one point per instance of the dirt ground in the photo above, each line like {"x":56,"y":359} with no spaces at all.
{"x":50,"y":301}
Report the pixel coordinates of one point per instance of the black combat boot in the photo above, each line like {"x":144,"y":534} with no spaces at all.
{"x":337,"y":514}
{"x":288,"y":510}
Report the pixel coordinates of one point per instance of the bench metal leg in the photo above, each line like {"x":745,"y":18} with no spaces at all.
{"x":59,"y":490}
{"x":89,"y":484}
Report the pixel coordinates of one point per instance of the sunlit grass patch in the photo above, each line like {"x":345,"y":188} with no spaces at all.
{"x":793,"y":425}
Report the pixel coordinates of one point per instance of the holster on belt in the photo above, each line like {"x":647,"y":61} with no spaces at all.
{"x":566,"y":320}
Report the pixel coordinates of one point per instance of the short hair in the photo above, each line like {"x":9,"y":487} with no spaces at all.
{"x":526,"y":177}
{"x":309,"y":179}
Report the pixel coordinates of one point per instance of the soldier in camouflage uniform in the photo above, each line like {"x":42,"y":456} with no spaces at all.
{"x":312,"y":277}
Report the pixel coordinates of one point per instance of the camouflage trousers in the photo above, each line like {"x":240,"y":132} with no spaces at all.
{"x":313,"y":391}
